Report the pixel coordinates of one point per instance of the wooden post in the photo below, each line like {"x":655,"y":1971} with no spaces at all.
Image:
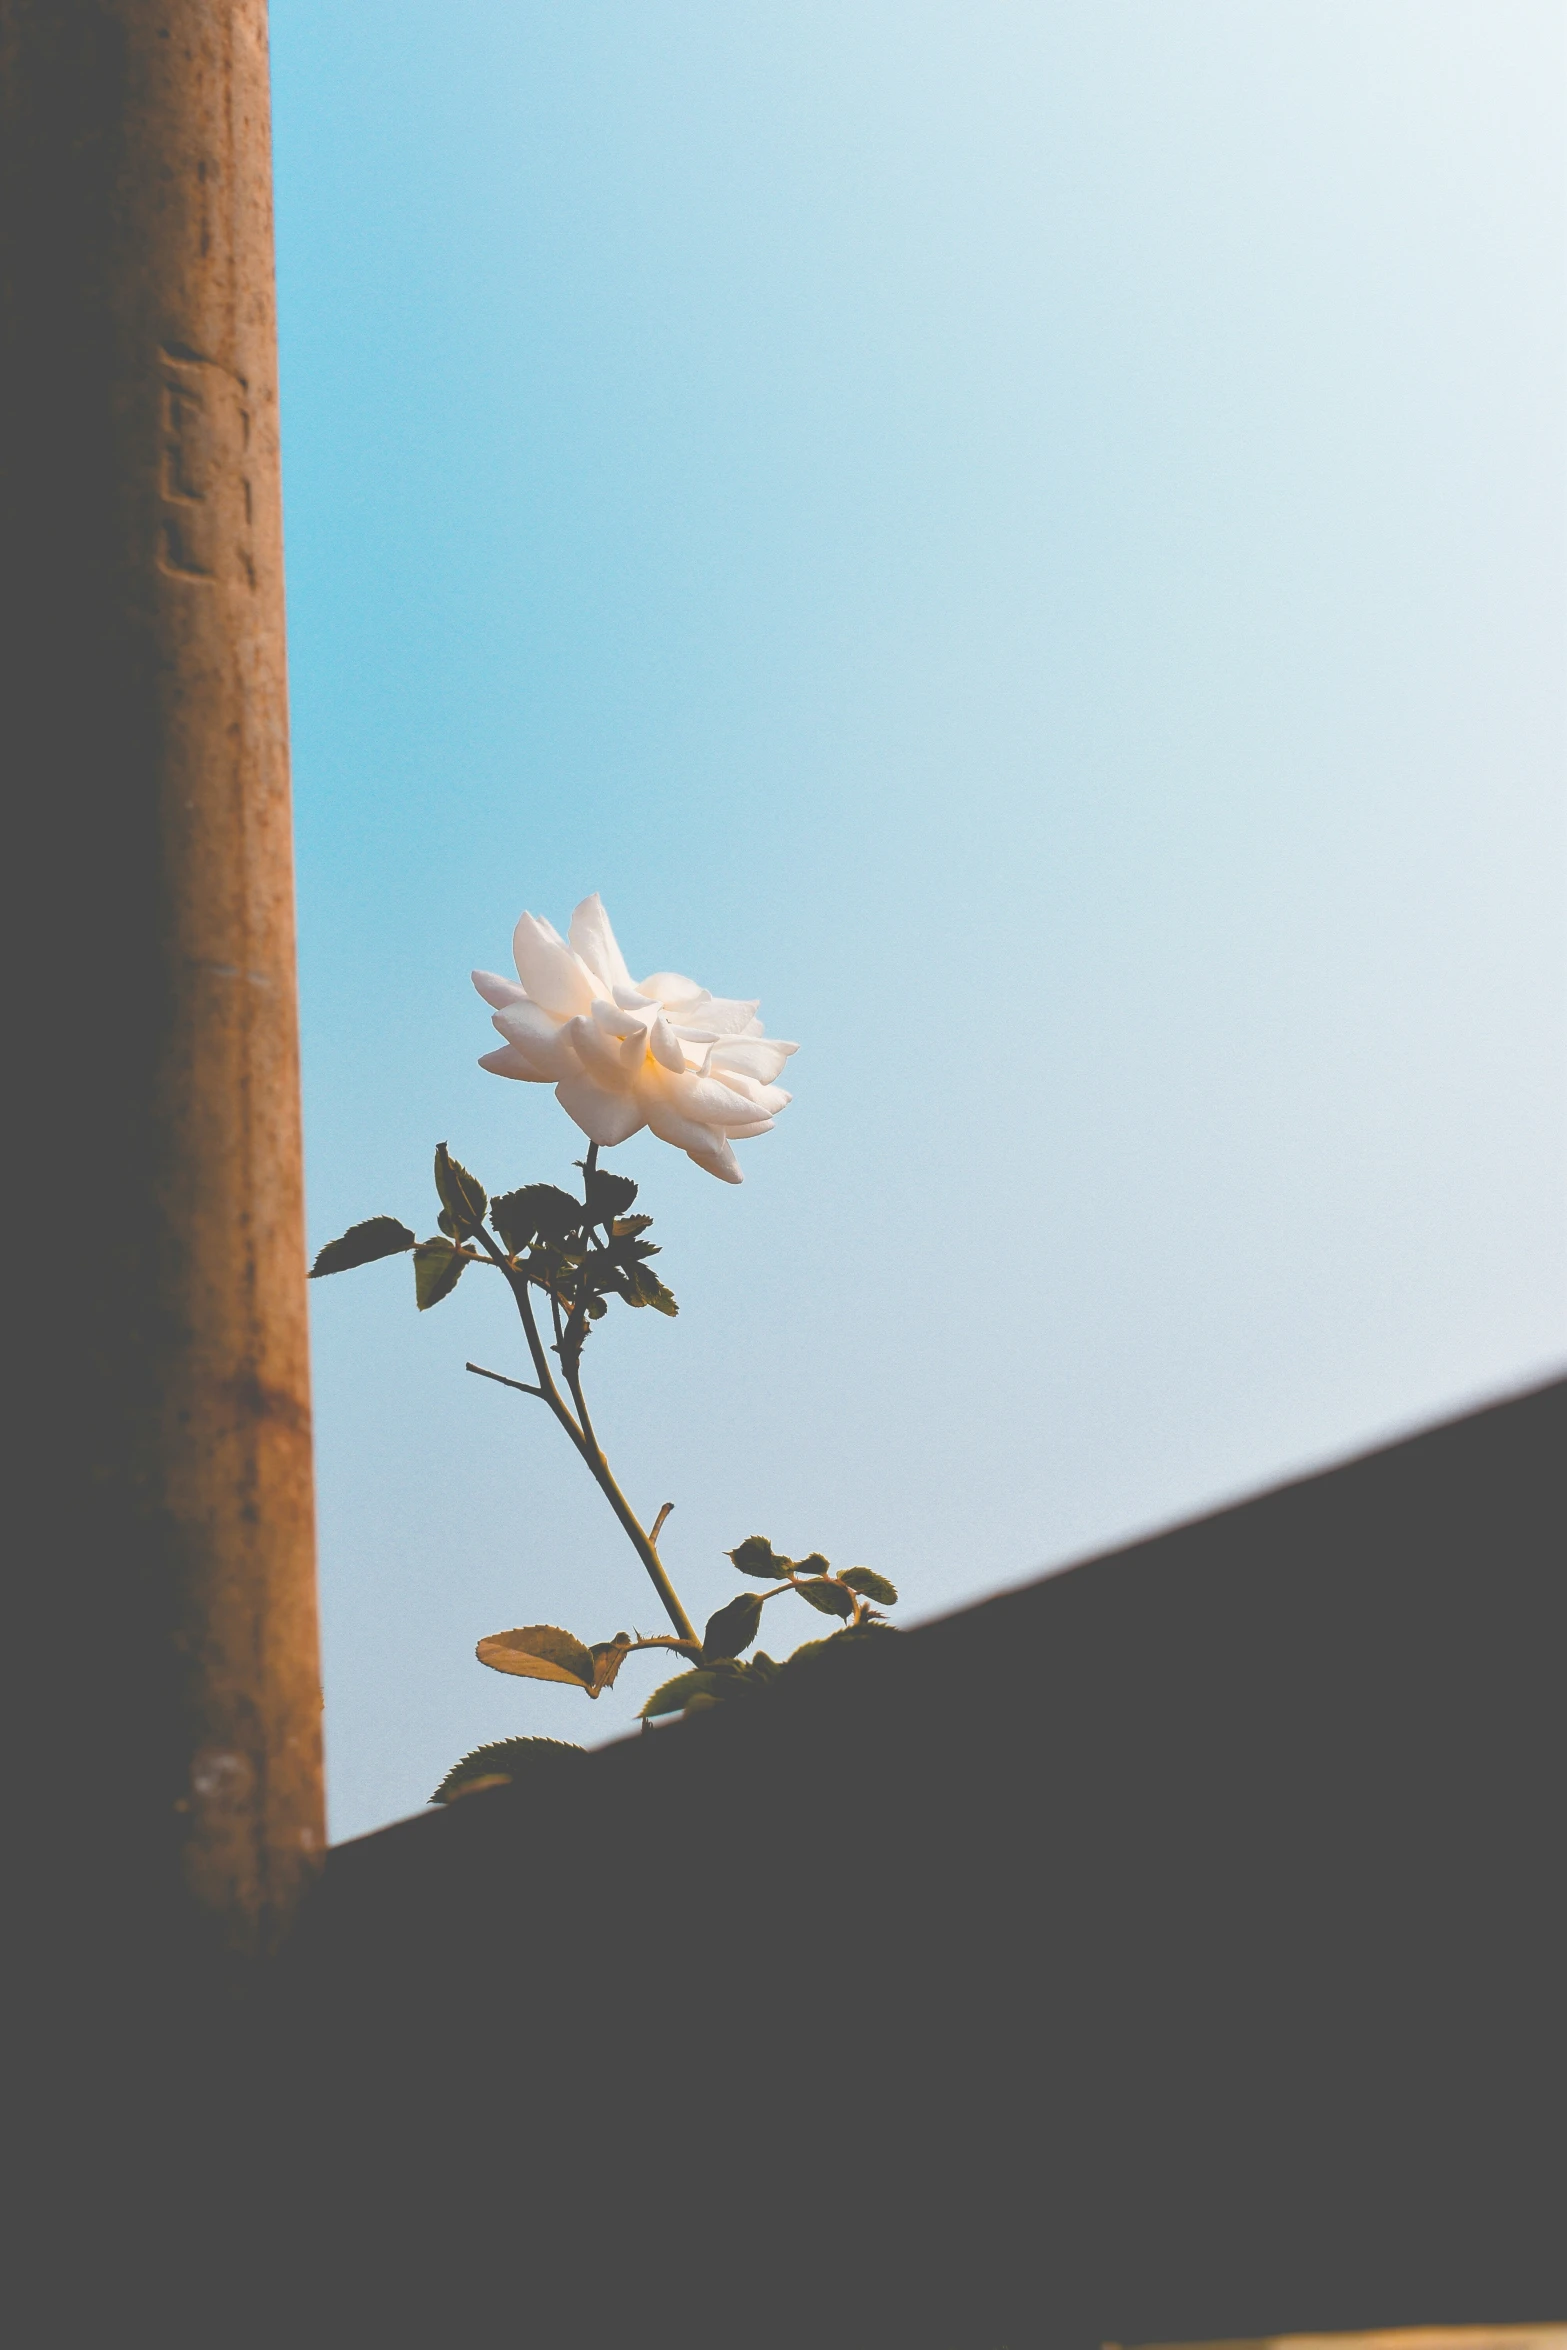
{"x":164,"y":1572}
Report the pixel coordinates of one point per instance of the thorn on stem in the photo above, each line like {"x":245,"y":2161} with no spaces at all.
{"x":658,"y":1523}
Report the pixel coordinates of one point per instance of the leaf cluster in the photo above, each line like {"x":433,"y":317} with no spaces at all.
{"x":727,"y":1680}
{"x":580,"y":1252}
{"x":850,"y":1594}
{"x":715,"y":1666}
{"x":539,"y":1764}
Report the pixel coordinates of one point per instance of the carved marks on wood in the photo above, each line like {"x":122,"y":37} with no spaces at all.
{"x":206,"y":506}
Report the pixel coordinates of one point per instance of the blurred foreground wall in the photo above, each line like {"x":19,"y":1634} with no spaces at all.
{"x":1171,"y":1950}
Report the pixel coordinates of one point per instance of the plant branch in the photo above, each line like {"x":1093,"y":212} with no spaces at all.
{"x":582,"y":1435}
{"x":641,"y":1543}
{"x":501,"y":1380}
{"x":692,"y":1648}
{"x":517,"y":1282}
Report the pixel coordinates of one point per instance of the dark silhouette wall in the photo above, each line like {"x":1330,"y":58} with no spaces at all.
{"x":1168,"y":1950}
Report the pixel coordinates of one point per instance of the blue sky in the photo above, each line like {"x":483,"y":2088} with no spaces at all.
{"x":1030,"y":538}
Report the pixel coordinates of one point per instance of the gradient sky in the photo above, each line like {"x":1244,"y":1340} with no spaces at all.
{"x":1029,"y":536}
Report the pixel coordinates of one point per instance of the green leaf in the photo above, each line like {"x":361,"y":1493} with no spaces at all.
{"x":624,"y":1249}
{"x":462,"y":1195}
{"x":871,"y":1586}
{"x":608,"y":1196}
{"x":733,"y":1628}
{"x":814,"y":1565}
{"x":830,"y":1646}
{"x":756,"y":1556}
{"x":673,"y":1696}
{"x":627,"y":1227}
{"x":535,"y":1763}
{"x":361,"y":1244}
{"x":602,"y":1272}
{"x":828,"y":1597}
{"x":645,"y":1289}
{"x":836,"y":1645}
{"x":541,"y":1652}
{"x":437,"y":1271}
{"x":538,"y":1211}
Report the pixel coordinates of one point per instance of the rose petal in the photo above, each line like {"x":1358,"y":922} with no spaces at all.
{"x":727,"y":1016}
{"x":702,"y":1100}
{"x":769,"y":1099}
{"x":511,"y":1061}
{"x":670,"y":988}
{"x":713,"y":1103}
{"x":718,"y":1159}
{"x":593,"y":939}
{"x":605,"y":1118}
{"x":667,"y":1122}
{"x":600,"y":1058}
{"x":548,"y":969}
{"x":663,"y":1046}
{"x":545,"y":1041}
{"x":498,"y":991}
{"x":752,"y":1056}
{"x":616,"y":1023}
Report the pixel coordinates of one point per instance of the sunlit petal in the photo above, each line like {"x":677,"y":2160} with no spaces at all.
{"x":726,"y":1017}
{"x":511,"y":1061}
{"x":671,"y":988}
{"x":545,"y":1041}
{"x":664,"y":1046}
{"x":593,"y":939}
{"x":605,"y":1118}
{"x":752,"y":1056}
{"x":714,"y":1103}
{"x":600,"y":1057}
{"x":617,"y":1023}
{"x":497,"y":991}
{"x":666,"y":1121}
{"x":549,"y":970}
{"x":768,"y":1099}
{"x":719,"y":1160}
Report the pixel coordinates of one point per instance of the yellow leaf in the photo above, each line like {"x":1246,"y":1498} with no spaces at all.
{"x":541,"y":1652}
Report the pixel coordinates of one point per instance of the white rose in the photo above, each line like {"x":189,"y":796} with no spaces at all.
{"x":624,"y":1054}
